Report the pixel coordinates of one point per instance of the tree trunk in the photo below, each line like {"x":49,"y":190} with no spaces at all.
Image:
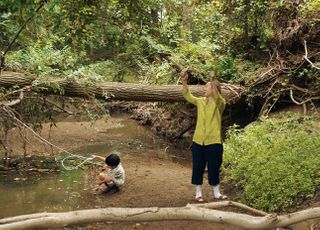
{"x":246,"y":21}
{"x":155,"y":22}
{"x":198,"y":212}
{"x":112,"y":90}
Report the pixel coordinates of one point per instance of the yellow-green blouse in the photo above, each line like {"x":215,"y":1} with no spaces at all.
{"x":209,"y":116}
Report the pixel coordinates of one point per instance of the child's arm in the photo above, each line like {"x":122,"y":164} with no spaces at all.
{"x":96,"y":157}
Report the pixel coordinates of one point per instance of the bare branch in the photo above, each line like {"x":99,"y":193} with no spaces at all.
{"x":307,"y":91}
{"x":14,"y":102}
{"x":59,"y":107}
{"x":9,"y":112}
{"x":306,"y":56}
{"x":302,"y":102}
{"x":190,"y":212}
{"x":221,"y":204}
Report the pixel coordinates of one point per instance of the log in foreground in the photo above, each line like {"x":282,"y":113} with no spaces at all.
{"x":113,"y":90}
{"x":189,"y":212}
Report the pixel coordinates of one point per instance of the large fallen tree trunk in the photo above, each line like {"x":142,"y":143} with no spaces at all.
{"x":198,"y":212}
{"x":112,"y":90}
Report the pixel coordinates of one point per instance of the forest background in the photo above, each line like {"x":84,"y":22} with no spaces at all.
{"x":272,"y":48}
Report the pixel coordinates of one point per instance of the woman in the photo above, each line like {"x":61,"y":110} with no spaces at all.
{"x":207,"y":144}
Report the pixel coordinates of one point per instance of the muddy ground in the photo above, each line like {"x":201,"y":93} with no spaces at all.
{"x":150,"y":181}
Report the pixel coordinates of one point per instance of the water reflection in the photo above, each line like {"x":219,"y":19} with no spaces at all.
{"x":70,"y":190}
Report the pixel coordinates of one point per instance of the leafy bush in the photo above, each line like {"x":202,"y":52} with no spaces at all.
{"x":198,"y":57}
{"x":275,"y":163}
{"x":105,"y":70}
{"x":310,"y":11}
{"x":226,"y":68}
{"x":7,"y":29}
{"x":157,"y":73}
{"x":43,"y":59}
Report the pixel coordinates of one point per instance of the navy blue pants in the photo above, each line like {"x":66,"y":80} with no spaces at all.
{"x":206,"y":154}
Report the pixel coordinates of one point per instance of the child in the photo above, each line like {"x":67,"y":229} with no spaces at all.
{"x":113,"y":177}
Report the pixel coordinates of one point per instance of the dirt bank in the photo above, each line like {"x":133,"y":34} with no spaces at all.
{"x":151,"y":180}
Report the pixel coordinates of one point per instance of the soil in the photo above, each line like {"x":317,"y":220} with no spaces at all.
{"x":156,"y":183}
{"x":150,"y":181}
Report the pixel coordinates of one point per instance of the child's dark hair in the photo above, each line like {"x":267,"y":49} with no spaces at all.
{"x":112,"y":160}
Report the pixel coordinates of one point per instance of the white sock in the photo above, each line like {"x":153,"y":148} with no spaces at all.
{"x":198,"y":191}
{"x":216,"y":191}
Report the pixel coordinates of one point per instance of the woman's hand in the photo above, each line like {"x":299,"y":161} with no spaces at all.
{"x":184,"y":76}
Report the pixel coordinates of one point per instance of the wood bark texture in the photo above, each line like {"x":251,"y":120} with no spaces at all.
{"x":112,"y":90}
{"x":202,"y":212}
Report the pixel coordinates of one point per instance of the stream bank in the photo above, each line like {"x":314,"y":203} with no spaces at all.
{"x":157,"y":174}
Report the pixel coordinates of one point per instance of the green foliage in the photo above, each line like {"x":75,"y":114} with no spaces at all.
{"x":73,"y":20}
{"x":226,"y":69}
{"x":91,"y":73}
{"x":132,"y":34}
{"x":43,"y":59}
{"x":246,"y":71}
{"x":302,"y":73}
{"x":12,"y":14}
{"x":311,"y":11}
{"x":198,"y":57}
{"x":169,"y":31}
{"x":275,"y":162}
{"x":251,"y":23}
{"x":208,"y":22}
{"x":157,"y":73}
{"x":7,"y":29}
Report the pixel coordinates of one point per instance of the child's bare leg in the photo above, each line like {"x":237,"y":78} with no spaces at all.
{"x":101,"y":179}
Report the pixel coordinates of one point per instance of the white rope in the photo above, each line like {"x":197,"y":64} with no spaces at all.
{"x":77,"y":166}
{"x":72,"y":155}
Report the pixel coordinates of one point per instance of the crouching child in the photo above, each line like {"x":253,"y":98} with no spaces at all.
{"x":112,"y":178}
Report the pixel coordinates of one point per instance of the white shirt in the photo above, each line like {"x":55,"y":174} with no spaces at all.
{"x":117,"y":175}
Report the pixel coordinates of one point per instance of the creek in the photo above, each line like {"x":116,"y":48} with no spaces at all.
{"x":25,"y":192}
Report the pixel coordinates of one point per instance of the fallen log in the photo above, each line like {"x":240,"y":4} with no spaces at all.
{"x":112,"y":90}
{"x":200,"y":212}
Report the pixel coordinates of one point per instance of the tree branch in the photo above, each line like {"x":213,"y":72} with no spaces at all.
{"x":302,"y":102}
{"x":190,"y":212}
{"x":221,"y":204}
{"x":306,"y":56}
{"x":14,"y":102}
{"x":59,"y":107}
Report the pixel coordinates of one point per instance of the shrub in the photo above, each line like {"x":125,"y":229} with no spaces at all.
{"x":43,"y":59}
{"x":275,"y":163}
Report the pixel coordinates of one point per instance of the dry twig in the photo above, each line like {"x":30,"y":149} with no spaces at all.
{"x":306,"y":56}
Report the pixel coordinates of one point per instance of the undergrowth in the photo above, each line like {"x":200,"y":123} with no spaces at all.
{"x":275,"y":163}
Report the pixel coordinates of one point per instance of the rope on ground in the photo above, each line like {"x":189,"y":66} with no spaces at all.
{"x":86,"y":159}
{"x":40,"y":138}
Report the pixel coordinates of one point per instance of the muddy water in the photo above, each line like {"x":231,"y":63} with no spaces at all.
{"x":128,"y":138}
{"x":26,"y":193}
{"x":157,"y":174}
